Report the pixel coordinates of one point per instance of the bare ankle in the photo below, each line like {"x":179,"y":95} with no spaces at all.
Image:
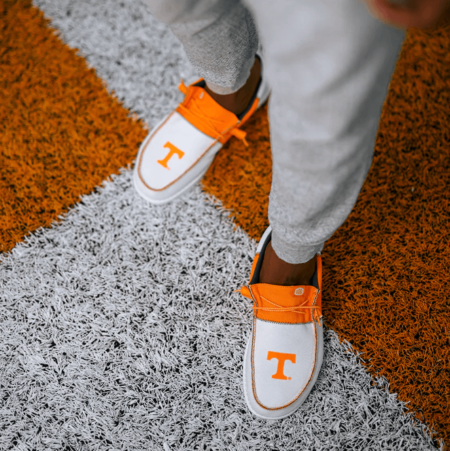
{"x":275,"y":271}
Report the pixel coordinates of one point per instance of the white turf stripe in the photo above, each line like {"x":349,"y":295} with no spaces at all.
{"x":120,"y":327}
{"x":121,"y":330}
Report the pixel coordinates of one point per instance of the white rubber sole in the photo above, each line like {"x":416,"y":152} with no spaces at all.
{"x":144,"y":195}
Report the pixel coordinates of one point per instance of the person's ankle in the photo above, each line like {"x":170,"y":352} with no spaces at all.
{"x":238,"y":101}
{"x":275,"y":271}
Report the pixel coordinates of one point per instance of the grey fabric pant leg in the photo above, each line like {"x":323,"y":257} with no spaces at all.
{"x":329,"y":63}
{"x":219,"y":37}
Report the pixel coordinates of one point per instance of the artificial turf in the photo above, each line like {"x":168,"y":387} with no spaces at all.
{"x":385,"y":269}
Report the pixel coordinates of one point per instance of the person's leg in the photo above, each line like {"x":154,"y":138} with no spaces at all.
{"x":220,"y":40}
{"x":329,"y":64}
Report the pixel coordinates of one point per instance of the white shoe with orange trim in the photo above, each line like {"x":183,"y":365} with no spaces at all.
{"x":284,"y":353}
{"x":179,"y":150}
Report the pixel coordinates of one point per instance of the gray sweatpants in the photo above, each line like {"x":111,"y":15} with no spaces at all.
{"x":329,"y":63}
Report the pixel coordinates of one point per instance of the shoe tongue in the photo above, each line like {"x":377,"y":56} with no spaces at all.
{"x":200,"y":103}
{"x":290,"y":296}
{"x":270,"y":298}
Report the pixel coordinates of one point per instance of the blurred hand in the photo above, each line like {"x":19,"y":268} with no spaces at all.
{"x":408,"y":13}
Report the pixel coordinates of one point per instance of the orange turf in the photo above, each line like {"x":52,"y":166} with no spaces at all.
{"x":385,"y":270}
{"x":61,"y":133}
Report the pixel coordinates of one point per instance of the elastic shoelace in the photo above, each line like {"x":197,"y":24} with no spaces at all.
{"x":279,"y":308}
{"x":211,"y":123}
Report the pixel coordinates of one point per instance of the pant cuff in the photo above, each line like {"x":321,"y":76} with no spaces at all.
{"x":239,"y":81}
{"x":222,"y":90}
{"x":294,"y":253}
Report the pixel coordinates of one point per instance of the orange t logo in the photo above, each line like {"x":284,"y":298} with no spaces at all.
{"x":281,"y":357}
{"x":173,"y":150}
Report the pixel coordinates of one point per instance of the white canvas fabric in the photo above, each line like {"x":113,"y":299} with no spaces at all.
{"x":159,"y":164}
{"x":114,"y":257}
{"x":274,"y":339}
{"x":172,"y":158}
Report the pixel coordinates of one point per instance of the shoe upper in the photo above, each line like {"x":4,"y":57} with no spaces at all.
{"x":196,"y":127}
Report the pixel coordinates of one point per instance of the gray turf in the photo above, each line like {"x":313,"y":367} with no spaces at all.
{"x":120,"y":326}
{"x":121,"y":330}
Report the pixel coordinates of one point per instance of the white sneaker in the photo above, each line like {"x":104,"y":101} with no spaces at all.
{"x":179,"y":150}
{"x":284,"y":353}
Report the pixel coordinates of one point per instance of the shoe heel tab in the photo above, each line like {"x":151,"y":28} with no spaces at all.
{"x":182,"y":87}
{"x":317,"y":277}
{"x":263,"y":239}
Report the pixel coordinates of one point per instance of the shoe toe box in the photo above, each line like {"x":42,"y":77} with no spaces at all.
{"x":172,"y":156}
{"x":281,"y":366}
